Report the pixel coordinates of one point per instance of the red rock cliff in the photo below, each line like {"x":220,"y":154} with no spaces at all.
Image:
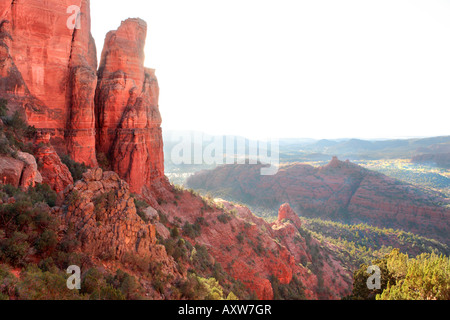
{"x":128,"y":118}
{"x":48,"y":71}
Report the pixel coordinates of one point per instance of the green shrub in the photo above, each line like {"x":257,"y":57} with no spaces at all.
{"x":47,"y":242}
{"x":15,"y":132}
{"x":128,"y":286}
{"x":95,"y":285}
{"x":103,"y":161}
{"x":38,"y":285}
{"x":73,"y":198}
{"x":201,"y":259}
{"x":224,"y":218}
{"x":3,"y":108}
{"x":174,"y":232}
{"x":42,"y":193}
{"x":5,"y":147}
{"x":103,"y":203}
{"x":162,"y":217}
{"x":292,"y":291}
{"x":191,"y":230}
{"x":75,"y":168}
{"x":140,"y":207}
{"x":7,"y":283}
{"x":14,"y":249}
{"x":16,"y":122}
{"x":27,"y":224}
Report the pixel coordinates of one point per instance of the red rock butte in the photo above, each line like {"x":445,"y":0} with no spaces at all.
{"x":48,"y":72}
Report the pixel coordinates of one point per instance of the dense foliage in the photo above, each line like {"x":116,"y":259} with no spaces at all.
{"x":425,"y":277}
{"x":34,"y":254}
{"x":16,"y":134}
{"x":75,"y":168}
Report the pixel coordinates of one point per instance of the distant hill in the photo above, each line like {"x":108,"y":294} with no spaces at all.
{"x":340,"y":191}
{"x":380,"y":149}
{"x":438,"y":159}
{"x":304,"y":150}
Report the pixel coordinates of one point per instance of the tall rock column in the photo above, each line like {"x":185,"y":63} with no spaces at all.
{"x":80,"y":130}
{"x":127,"y":111}
{"x":48,"y":71}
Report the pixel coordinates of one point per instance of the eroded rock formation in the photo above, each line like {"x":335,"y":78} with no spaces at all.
{"x":49,"y":72}
{"x":128,"y":118}
{"x":252,"y":250}
{"x":21,"y":172}
{"x":104,"y":217}
{"x":340,"y":190}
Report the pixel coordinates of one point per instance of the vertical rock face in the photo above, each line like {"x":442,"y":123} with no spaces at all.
{"x":48,"y":71}
{"x":128,"y":118}
{"x":80,"y":129}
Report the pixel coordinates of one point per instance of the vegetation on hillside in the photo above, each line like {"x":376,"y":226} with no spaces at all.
{"x":15,"y":134}
{"x":428,"y":177}
{"x":35,"y":253}
{"x":362,"y":243}
{"x":425,"y":277}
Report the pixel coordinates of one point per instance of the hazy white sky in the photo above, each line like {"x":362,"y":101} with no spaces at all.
{"x":295,"y":68}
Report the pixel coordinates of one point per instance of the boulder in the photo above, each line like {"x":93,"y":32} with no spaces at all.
{"x":53,"y":171}
{"x":11,"y":171}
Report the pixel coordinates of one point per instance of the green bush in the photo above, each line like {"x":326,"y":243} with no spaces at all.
{"x":27,"y":224}
{"x":103,"y":162}
{"x":192,"y":230}
{"x":42,"y":193}
{"x":38,"y":285}
{"x":425,"y":277}
{"x":3,"y":108}
{"x":75,"y":168}
{"x":47,"y":242}
{"x":128,"y":286}
{"x":224,"y":218}
{"x":292,"y":291}
{"x":95,"y":285}
{"x":103,"y":203}
{"x":15,"y":132}
{"x":7,"y":283}
{"x":140,"y":207}
{"x":14,"y":249}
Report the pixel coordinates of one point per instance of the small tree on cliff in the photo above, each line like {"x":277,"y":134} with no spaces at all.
{"x":4,"y":34}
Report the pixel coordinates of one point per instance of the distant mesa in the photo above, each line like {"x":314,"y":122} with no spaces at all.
{"x":341,"y":191}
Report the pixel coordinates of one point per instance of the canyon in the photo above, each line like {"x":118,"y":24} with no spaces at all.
{"x":339,"y":191}
{"x":122,"y":213}
{"x":107,"y":115}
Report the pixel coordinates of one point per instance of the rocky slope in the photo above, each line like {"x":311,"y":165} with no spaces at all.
{"x":253,"y":250}
{"x":340,"y":190}
{"x":100,"y":212}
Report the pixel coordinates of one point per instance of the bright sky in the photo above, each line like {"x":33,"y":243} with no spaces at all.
{"x":295,"y":68}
